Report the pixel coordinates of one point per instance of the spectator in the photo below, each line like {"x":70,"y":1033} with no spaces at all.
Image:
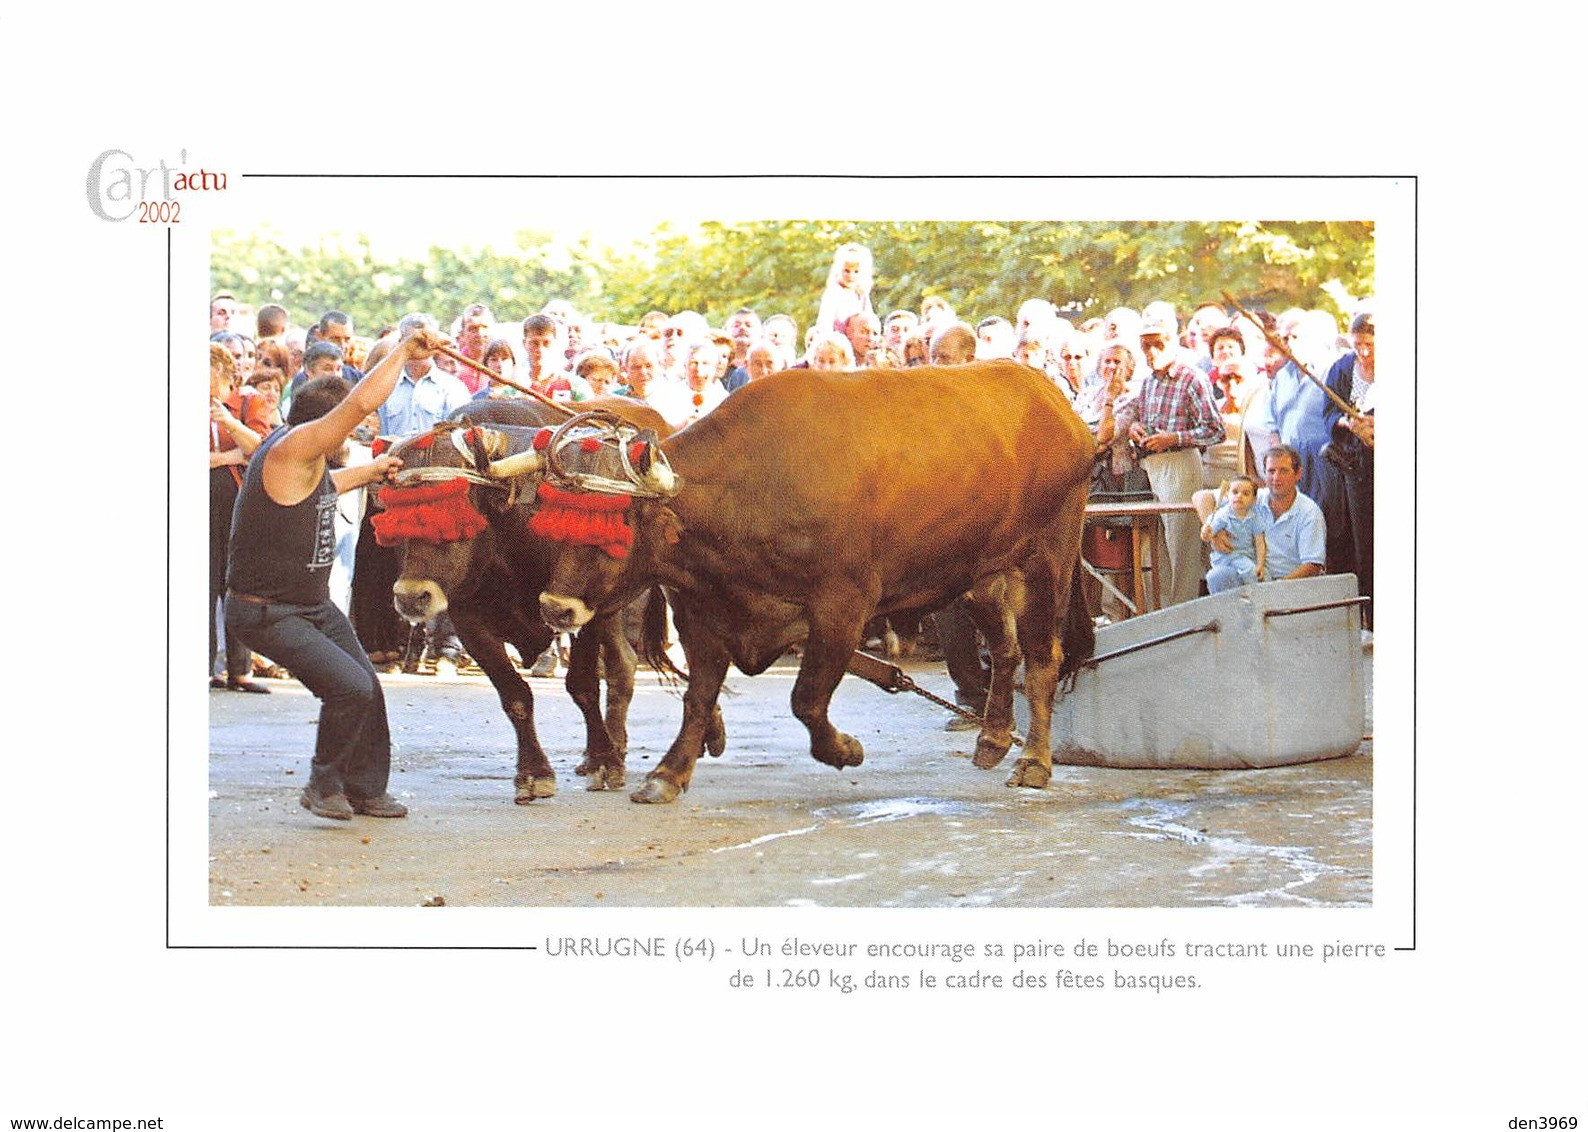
{"x":1296,"y":402}
{"x":598,"y":370}
{"x":267,"y":384}
{"x":1235,"y":383}
{"x":1351,"y":451}
{"x":1297,"y":540}
{"x":270,"y":322}
{"x":995,"y":338}
{"x":848,"y":290}
{"x":782,"y":332}
{"x":953,"y":344}
{"x":1074,"y":365}
{"x":474,"y":328}
{"x":1247,"y":522}
{"x":497,"y":356}
{"x":895,"y":329}
{"x":864,"y":333}
{"x":546,"y":361}
{"x":223,"y":307}
{"x":936,"y":314}
{"x":237,"y":425}
{"x":744,"y":330}
{"x":423,"y":396}
{"x":642,"y":368}
{"x":700,"y":392}
{"x":1172,"y":417}
{"x":337,"y":329}
{"x":830,"y":352}
{"x":761,"y":361}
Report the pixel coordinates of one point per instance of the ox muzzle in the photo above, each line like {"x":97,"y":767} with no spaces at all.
{"x":564,"y":614}
{"x":417,"y":600}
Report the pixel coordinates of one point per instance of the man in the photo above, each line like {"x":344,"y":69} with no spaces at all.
{"x":682,"y":403}
{"x":896,"y":330}
{"x":1295,"y":414}
{"x":422,"y":398}
{"x":995,"y":338}
{"x":783,"y":333}
{"x":864,"y":331}
{"x":337,"y":329}
{"x":1172,"y":417}
{"x":743,"y":329}
{"x":270,"y":322}
{"x":223,"y":307}
{"x":953,"y":344}
{"x":278,"y":600}
{"x":545,"y":357}
{"x":1298,"y":540}
{"x":474,"y":328}
{"x":760,"y":362}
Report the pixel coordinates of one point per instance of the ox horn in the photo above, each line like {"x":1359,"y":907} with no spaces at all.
{"x":523,"y":463}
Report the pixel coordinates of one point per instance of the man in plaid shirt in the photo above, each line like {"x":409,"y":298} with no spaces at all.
{"x":1172,"y":418}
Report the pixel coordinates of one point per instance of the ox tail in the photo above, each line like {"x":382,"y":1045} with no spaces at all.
{"x":653,"y":638}
{"x":1078,"y":638}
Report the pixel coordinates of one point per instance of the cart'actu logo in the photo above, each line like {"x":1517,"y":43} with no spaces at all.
{"x":119,"y":188}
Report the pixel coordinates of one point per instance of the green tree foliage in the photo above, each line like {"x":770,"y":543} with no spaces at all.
{"x":981,"y":267}
{"x":346,"y":275}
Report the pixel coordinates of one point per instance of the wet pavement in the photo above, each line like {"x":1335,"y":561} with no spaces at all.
{"x":916,"y":825}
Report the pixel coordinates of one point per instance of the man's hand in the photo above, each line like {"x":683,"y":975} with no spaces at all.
{"x":384,"y":467}
{"x":422,"y":344}
{"x":1363,"y":427}
{"x":1161,"y":442}
{"x":220,"y":414}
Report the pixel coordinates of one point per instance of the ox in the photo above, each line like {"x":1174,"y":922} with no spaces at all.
{"x":467,"y":548}
{"x":809,"y":502}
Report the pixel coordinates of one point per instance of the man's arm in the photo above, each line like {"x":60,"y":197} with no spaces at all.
{"x":298,"y":454}
{"x":381,"y":467}
{"x":1261,"y":542}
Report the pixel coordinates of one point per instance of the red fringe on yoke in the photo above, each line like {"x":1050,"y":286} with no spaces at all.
{"x":435,"y":512}
{"x":584,"y":519}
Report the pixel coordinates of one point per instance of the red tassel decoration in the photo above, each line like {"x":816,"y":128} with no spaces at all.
{"x":435,"y":512}
{"x":583,"y":518}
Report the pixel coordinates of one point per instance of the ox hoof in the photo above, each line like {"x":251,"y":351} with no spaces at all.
{"x":605,"y":778}
{"x":989,"y":753}
{"x":846,"y":752}
{"x":588,"y":766}
{"x":1031,"y":773}
{"x":529,"y":790}
{"x":655,"y":791}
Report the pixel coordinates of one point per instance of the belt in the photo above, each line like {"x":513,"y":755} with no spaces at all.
{"x":255,"y":599}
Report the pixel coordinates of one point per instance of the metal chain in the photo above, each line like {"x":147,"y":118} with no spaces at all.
{"x":900,"y":682}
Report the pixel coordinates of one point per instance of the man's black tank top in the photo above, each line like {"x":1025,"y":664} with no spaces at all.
{"x":282,"y":553}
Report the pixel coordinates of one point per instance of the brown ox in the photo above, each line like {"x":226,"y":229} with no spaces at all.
{"x":489,"y":570}
{"x":808,"y":502}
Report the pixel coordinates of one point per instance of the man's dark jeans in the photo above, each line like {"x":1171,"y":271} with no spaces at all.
{"x":316,"y":643}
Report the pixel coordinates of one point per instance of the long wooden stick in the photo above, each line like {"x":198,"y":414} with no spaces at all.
{"x":1278,"y":344}
{"x":457,"y":356}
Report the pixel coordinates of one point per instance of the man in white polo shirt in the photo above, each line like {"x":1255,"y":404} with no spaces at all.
{"x":1297,"y":541}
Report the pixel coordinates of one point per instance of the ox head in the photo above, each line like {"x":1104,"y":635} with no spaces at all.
{"x":455,"y":480}
{"x":602,"y":506}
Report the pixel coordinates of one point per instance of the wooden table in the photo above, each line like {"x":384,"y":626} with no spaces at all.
{"x":1145,"y":528}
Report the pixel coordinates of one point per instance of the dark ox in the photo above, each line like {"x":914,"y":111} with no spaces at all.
{"x":489,"y":571}
{"x":809,"y":502}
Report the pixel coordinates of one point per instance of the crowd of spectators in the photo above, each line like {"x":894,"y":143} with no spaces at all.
{"x":1179,"y":407}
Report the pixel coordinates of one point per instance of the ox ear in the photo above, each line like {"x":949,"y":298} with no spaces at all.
{"x":668,"y":526}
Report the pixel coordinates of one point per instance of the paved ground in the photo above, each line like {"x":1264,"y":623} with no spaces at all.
{"x":915,"y":826}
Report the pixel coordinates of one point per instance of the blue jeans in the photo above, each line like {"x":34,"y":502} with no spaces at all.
{"x":316,"y":643}
{"x":1231,"y":572}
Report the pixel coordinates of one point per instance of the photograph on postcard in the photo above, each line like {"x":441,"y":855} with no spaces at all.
{"x":852,"y":543}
